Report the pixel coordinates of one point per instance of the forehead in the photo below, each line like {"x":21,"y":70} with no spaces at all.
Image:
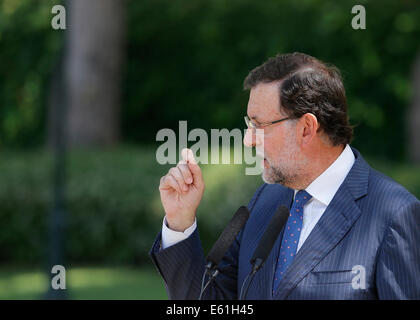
{"x":264,"y":101}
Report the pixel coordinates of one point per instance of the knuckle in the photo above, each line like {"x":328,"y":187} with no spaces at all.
{"x":173,"y":183}
{"x":185,"y":171}
{"x":176,"y":172}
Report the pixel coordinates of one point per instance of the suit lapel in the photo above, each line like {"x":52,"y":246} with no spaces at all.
{"x":334,"y":224}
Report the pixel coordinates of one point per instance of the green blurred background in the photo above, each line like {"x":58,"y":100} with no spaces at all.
{"x":130,"y":68}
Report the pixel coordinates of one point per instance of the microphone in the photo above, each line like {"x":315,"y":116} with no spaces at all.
{"x":228,"y":235}
{"x":265,"y":245}
{"x":223,"y":243}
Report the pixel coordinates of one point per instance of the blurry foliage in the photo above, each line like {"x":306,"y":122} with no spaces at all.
{"x":28,"y":52}
{"x":187,"y":61}
{"x":113,"y":207}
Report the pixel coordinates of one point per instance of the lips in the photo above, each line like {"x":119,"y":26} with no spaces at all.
{"x":264,"y":163}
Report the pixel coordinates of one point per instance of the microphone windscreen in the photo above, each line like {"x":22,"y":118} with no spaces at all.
{"x":270,"y":235}
{"x":228,"y":235}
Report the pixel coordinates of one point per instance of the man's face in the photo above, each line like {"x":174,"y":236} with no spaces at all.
{"x":282,"y":159}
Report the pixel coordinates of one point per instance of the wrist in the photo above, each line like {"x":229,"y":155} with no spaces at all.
{"x":179,"y":226}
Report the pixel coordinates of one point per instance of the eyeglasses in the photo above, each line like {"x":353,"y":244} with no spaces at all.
{"x":252,"y":125}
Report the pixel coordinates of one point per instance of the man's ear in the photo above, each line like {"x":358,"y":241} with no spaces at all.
{"x":310,"y":127}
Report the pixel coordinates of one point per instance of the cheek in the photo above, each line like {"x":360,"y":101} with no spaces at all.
{"x":273,"y":144}
{"x":271,"y":149}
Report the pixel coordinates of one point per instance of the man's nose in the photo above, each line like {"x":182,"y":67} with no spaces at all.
{"x":251,"y":139}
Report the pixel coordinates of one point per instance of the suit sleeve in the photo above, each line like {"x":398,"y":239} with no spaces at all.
{"x":398,"y":268}
{"x":182,"y":266}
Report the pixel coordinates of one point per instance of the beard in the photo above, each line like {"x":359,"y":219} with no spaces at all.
{"x":273,"y":175}
{"x":285,"y":168}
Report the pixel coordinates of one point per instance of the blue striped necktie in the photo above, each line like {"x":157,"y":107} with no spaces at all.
{"x":291,"y":236}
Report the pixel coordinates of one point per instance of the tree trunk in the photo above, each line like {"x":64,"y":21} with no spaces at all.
{"x":413,"y":119}
{"x":93,"y":69}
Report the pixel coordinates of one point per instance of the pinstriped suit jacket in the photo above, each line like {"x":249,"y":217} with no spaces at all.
{"x":371,"y":226}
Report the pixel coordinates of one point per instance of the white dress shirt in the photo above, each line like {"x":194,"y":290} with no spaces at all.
{"x":322,"y":190}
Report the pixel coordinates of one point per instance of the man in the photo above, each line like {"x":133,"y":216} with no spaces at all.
{"x":352,"y":233}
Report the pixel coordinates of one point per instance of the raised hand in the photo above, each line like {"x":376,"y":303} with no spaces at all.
{"x":181,"y":191}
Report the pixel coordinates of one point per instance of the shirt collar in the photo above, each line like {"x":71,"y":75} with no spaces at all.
{"x":326,"y":185}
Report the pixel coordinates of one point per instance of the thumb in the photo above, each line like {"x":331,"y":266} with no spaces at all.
{"x":188,"y":157}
